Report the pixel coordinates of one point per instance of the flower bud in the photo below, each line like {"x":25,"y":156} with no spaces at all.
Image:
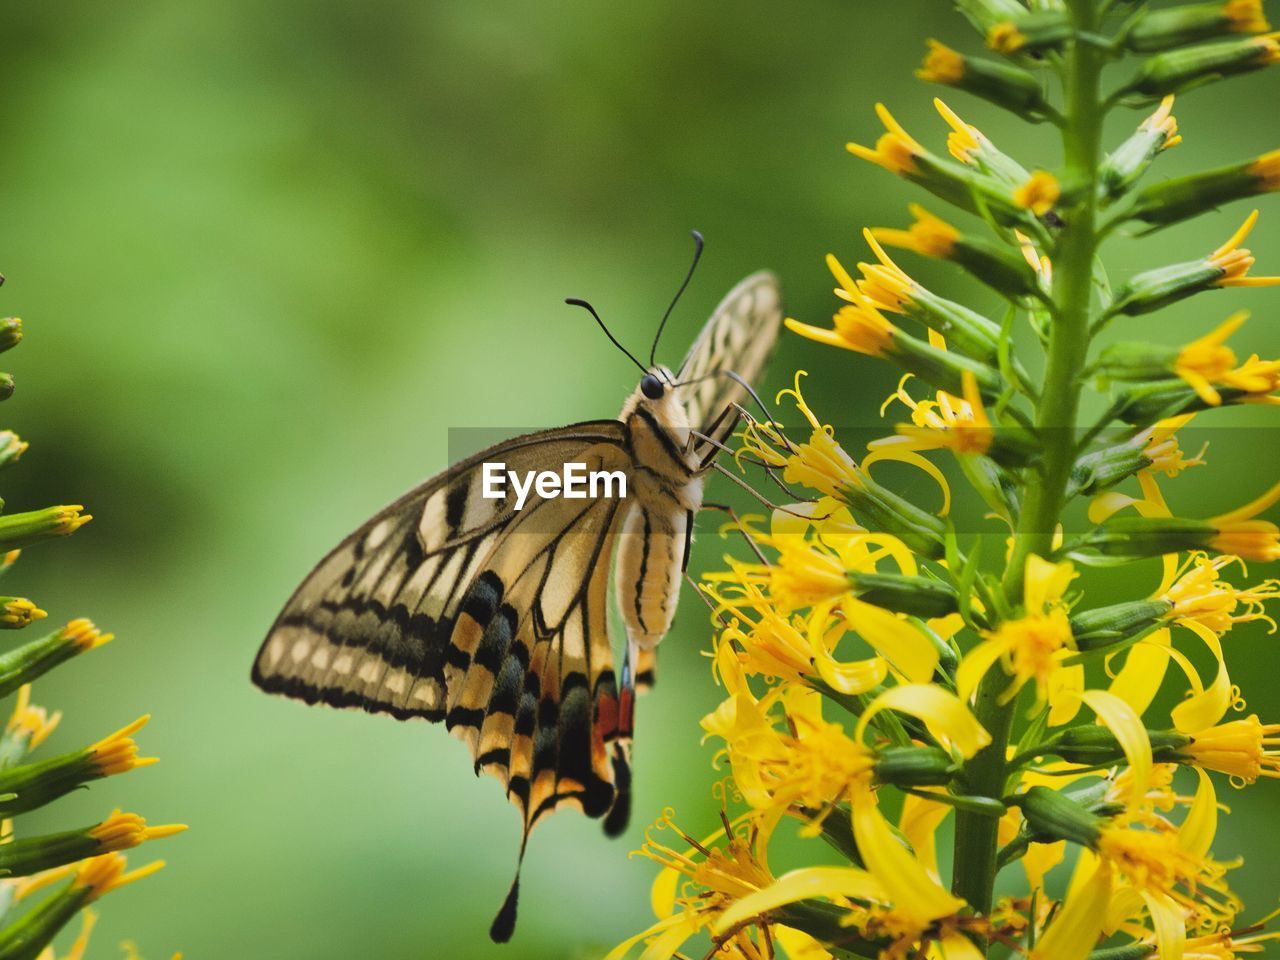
{"x":1174,"y":200}
{"x":1158,"y":30}
{"x":21,"y":529}
{"x":1150,"y":536}
{"x":10,"y":333}
{"x":120,"y":831}
{"x":914,"y":766}
{"x":1104,"y":626}
{"x":1052,"y":817}
{"x":930,"y":236}
{"x":962,"y":186}
{"x":880,"y":509}
{"x":12,"y":447}
{"x":1123,"y":166}
{"x":1227,"y":266}
{"x":18,"y":612}
{"x":23,"y":664}
{"x":985,"y":14}
{"x":1001,"y":83}
{"x":1137,"y":360}
{"x":28,"y":786}
{"x":1177,"y":70}
{"x":1094,"y":745}
{"x":1029,"y":33}
{"x":915,"y":596}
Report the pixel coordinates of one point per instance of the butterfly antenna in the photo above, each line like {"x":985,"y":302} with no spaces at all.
{"x":575,"y":302}
{"x":698,"y":244}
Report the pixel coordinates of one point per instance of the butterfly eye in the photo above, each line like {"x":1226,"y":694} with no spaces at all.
{"x":651,"y":387}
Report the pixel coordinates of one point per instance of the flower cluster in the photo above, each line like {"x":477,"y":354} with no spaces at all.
{"x":894,"y":679}
{"x":47,"y":879}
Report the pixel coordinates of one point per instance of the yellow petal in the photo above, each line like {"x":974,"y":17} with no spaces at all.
{"x":895,"y":638}
{"x":1168,"y":921}
{"x":919,"y":823}
{"x":1065,"y":686}
{"x":1201,"y":823}
{"x":955,"y":946}
{"x":829,"y":882}
{"x":622,"y":949}
{"x":909,"y":887}
{"x":915,"y":460}
{"x":1205,"y":708}
{"x":849,"y":677}
{"x":673,"y":938}
{"x":1130,"y":733}
{"x":943,"y":713}
{"x":975,"y":665}
{"x":1144,"y":668}
{"x":1075,"y":928}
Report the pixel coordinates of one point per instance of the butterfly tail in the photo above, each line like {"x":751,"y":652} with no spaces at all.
{"x":504,"y":924}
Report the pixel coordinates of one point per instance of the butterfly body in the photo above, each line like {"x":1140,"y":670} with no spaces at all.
{"x":458,"y":606}
{"x":654,"y":547}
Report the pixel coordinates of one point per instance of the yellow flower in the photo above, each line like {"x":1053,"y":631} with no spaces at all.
{"x":1242,"y":749}
{"x":929,"y":235}
{"x":118,"y":753}
{"x":821,"y":464}
{"x":952,"y":423}
{"x":1235,"y":261}
{"x":100,"y":875}
{"x":1164,"y":121}
{"x":1208,"y":364}
{"x":1040,"y":264}
{"x":1246,"y":16}
{"x":1039,"y":194}
{"x":120,"y":831}
{"x":19,"y":612}
{"x":1199,"y":594}
{"x":896,"y":150}
{"x":1238,"y":533}
{"x":1005,"y":38}
{"x":31,"y":721}
{"x":1266,"y":169}
{"x":85,"y":635}
{"x":1161,"y":447}
{"x":884,"y":285}
{"x":859,"y":327}
{"x":1031,"y":647}
{"x":699,"y":885}
{"x":941,"y":64}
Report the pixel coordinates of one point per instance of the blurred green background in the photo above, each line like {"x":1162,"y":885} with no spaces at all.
{"x":268,"y":256}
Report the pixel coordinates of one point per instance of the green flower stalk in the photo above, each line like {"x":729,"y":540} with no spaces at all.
{"x":888,"y":667}
{"x":82,"y":864}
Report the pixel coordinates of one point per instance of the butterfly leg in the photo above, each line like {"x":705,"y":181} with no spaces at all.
{"x":738,"y":525}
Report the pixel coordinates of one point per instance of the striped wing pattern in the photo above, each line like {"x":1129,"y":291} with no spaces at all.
{"x":454,"y":607}
{"x":739,"y":337}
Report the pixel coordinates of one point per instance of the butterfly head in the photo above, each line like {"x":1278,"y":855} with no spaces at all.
{"x":652,"y":386}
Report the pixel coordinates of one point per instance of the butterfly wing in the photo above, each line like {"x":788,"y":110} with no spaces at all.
{"x":738,"y":338}
{"x":452,"y":606}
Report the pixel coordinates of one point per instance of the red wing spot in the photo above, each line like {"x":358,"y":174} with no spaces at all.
{"x":606,"y":716}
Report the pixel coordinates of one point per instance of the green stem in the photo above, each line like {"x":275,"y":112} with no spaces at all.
{"x":1067,"y":352}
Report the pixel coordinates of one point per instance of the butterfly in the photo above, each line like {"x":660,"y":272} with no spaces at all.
{"x":453,"y":604}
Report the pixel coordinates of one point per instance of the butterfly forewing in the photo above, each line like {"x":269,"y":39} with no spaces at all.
{"x":738,"y":338}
